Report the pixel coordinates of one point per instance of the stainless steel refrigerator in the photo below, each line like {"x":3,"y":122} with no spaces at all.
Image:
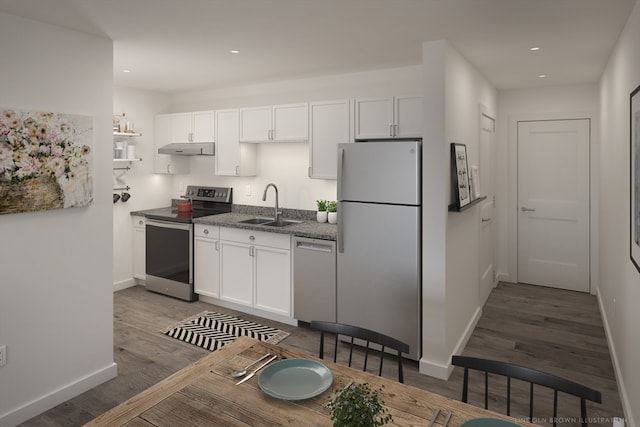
{"x":379,"y":238}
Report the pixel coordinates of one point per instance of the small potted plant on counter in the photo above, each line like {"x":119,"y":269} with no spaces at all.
{"x":332,"y":216}
{"x":321,"y":215}
{"x":357,"y":405}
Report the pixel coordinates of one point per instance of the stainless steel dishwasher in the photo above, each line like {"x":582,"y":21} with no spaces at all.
{"x":314,"y":279}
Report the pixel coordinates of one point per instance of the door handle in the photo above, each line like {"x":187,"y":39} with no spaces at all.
{"x":486,"y":219}
{"x":526,"y":209}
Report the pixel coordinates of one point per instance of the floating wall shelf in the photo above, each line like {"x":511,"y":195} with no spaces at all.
{"x":453,"y":207}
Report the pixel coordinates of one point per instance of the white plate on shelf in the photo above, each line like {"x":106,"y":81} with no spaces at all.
{"x":295,"y":379}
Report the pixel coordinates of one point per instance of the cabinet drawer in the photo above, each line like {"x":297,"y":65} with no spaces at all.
{"x":207,"y":231}
{"x":253,"y":237}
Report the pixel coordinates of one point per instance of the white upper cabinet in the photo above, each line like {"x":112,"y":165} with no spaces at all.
{"x":408,"y":118}
{"x":196,"y":126}
{"x":164,"y":163}
{"x":329,"y":125}
{"x":291,"y":122}
{"x":232,"y":157}
{"x":255,"y":124}
{"x":275,"y":123}
{"x":388,"y":118}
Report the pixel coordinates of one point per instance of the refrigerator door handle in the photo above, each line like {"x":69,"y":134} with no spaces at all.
{"x":340,"y":237}
{"x":339,"y":190}
{"x":340,"y":162}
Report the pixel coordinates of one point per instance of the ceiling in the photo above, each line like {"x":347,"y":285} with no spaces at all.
{"x":183,"y":45}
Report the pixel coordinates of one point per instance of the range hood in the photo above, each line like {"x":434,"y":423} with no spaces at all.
{"x":188,"y":149}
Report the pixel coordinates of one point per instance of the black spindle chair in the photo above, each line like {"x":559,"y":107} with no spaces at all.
{"x":366,"y":335}
{"x":529,"y":375}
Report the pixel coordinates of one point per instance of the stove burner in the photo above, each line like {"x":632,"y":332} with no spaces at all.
{"x":205,"y":201}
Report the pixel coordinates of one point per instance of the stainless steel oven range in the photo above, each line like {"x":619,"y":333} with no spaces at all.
{"x":169,"y":241}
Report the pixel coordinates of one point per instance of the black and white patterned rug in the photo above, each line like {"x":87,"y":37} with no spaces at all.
{"x":211,"y":330}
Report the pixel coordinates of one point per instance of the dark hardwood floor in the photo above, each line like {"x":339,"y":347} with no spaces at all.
{"x":556,"y":331}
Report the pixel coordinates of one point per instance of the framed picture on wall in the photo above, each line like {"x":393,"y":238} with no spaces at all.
{"x":635,"y":177}
{"x":460,"y":175}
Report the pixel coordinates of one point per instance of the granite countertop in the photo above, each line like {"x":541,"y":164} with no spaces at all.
{"x":308,"y":226}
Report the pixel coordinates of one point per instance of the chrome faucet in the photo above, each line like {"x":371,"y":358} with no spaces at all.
{"x":264,"y":198}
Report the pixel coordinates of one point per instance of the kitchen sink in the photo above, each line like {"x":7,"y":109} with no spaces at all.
{"x":257,"y":221}
{"x":281,"y":223}
{"x":270,"y":222}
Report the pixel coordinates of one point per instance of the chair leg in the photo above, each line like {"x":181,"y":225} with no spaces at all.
{"x":321,"y":355}
{"x":465,"y":385}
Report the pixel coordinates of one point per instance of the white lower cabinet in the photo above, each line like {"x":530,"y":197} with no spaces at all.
{"x":236,"y":273}
{"x":139,"y":247}
{"x":206,"y":245}
{"x":255,"y":269}
{"x":272,"y":279}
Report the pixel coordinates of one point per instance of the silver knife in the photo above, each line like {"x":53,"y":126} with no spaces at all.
{"x":257,"y":369}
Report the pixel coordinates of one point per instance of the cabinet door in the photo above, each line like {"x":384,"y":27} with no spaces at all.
{"x":290,"y":122}
{"x":203,"y":126}
{"x":408,"y":117}
{"x":206,"y":266}
{"x":232,"y":157}
{"x":273,"y":280}
{"x":139,"y":244}
{"x":236,"y":273}
{"x":181,"y":124}
{"x":374,"y":118}
{"x":164,"y":163}
{"x":328,"y":126}
{"x":255,"y":124}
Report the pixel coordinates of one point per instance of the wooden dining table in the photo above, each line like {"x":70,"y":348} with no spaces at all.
{"x":205,"y":394}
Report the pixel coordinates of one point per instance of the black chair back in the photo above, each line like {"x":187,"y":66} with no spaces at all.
{"x":366,"y":335}
{"x":532,"y":376}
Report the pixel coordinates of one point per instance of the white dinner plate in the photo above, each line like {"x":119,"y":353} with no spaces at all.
{"x":295,"y":379}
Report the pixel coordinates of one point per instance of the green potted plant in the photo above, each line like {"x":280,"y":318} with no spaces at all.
{"x":332,"y":208}
{"x":321,"y":215}
{"x":357,"y":405}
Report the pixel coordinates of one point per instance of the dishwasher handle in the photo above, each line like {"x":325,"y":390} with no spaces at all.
{"x":317,"y":247}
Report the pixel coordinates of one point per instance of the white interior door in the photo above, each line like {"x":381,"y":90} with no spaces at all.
{"x":553,"y":203}
{"x":487,"y":248}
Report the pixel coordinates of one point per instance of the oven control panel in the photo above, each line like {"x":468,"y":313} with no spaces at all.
{"x":209,"y":194}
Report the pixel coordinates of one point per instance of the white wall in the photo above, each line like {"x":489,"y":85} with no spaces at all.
{"x":147,"y":189}
{"x":56,"y":316}
{"x":286,"y":164}
{"x":619,"y":290}
{"x":454,"y":92}
{"x":544,"y":103}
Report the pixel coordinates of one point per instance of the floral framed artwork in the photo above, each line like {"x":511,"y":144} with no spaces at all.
{"x":460,"y":175}
{"x":45,"y":161}
{"x":634,"y":169}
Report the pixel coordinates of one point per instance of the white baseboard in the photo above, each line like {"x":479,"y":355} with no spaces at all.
{"x":443,"y":371}
{"x":249,"y":310}
{"x":124,"y":284}
{"x":504,"y":277}
{"x":58,"y":396}
{"x":624,"y":398}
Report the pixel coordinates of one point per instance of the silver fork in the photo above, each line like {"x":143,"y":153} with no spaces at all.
{"x":434,"y":416}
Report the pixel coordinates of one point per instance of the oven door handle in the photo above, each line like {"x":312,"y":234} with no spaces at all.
{"x":169,"y":224}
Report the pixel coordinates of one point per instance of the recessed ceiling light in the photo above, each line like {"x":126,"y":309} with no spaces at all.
{"x":234,"y":51}
{"x":126,"y":71}
{"x":542,"y":76}
{"x":533,"y":49}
